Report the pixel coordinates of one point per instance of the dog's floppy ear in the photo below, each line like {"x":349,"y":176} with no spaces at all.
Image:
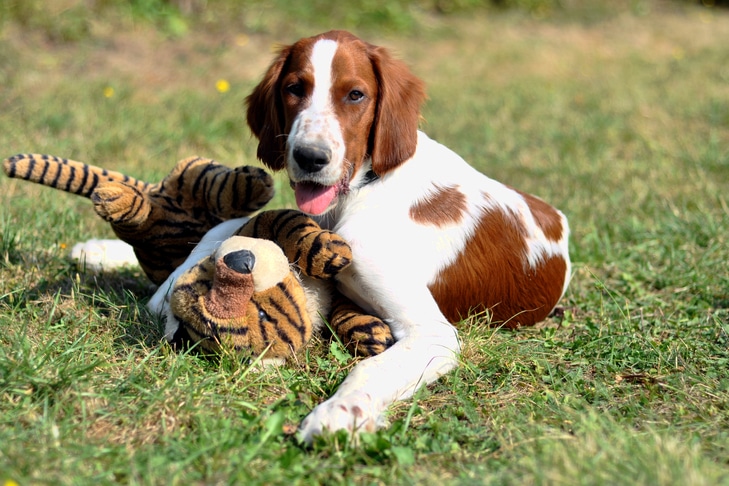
{"x":394,"y":133}
{"x":265,"y":114}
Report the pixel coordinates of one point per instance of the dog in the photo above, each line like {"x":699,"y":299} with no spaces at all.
{"x":433,"y":239}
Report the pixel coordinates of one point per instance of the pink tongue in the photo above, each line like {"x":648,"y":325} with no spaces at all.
{"x":314,"y":198}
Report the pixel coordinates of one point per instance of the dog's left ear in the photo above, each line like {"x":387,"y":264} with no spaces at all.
{"x":394,"y":133}
{"x":265,"y":114}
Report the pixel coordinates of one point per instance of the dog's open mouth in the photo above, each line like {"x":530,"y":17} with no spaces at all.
{"x":313,"y":198}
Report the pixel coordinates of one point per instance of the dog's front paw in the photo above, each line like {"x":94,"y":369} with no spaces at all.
{"x":354,"y":413}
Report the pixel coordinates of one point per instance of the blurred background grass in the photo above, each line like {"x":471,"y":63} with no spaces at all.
{"x":74,"y":20}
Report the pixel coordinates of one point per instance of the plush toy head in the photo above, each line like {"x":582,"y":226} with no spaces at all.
{"x":243,"y":297}
{"x":163,"y":221}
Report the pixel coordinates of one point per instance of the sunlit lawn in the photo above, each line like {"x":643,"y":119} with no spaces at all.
{"x":620,"y":118}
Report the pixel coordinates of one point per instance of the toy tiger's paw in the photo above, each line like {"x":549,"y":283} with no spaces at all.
{"x":366,"y":335}
{"x":327,"y":254}
{"x":362,"y":334}
{"x":120,"y":204}
{"x":317,"y":252}
{"x":98,"y":255}
{"x":259,"y":190}
{"x":354,"y":413}
{"x":203,"y":188}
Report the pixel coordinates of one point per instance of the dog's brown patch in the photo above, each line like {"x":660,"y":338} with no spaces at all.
{"x":492,"y":273}
{"x":546,"y":217}
{"x":442,"y":207}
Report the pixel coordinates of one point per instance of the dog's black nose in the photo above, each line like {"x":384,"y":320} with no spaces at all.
{"x":312,"y":158}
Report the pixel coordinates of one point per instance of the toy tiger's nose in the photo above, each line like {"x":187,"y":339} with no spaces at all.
{"x":242,"y":261}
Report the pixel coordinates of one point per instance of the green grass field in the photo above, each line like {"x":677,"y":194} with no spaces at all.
{"x":617,"y":113}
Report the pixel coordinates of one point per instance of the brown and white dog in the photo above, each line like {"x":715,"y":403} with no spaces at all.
{"x":432,"y":238}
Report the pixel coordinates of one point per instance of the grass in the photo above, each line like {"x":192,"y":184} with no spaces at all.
{"x":618,"y":114}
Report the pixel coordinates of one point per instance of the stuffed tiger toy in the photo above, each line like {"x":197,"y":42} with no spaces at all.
{"x":314,"y":255}
{"x":163,"y":222}
{"x":265,"y":295}
{"x":160,"y":221}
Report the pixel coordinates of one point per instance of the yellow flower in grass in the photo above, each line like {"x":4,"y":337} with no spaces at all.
{"x":222,"y":85}
{"x":108,"y":92}
{"x":242,"y":40}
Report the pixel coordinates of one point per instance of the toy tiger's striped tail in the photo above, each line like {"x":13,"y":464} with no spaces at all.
{"x":64,"y":174}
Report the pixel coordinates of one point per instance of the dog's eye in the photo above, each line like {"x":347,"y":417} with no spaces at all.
{"x":355,"y":95}
{"x":296,"y":89}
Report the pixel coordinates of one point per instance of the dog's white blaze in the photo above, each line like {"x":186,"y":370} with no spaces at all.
{"x":322,"y":57}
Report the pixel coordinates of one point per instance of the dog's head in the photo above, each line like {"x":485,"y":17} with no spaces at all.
{"x":327,"y":107}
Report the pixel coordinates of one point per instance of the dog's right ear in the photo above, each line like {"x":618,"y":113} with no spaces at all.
{"x":265,"y":114}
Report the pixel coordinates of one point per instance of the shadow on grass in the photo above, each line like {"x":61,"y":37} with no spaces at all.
{"x":112,"y":300}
